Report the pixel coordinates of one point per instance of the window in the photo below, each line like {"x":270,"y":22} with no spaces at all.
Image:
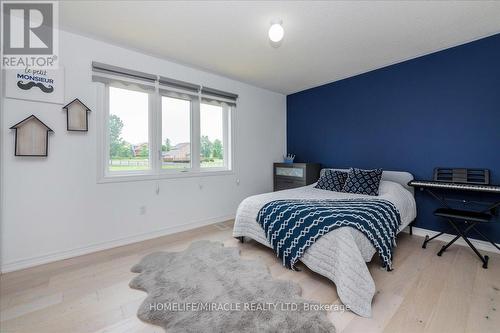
{"x":128,"y":130}
{"x":175,"y":133}
{"x":154,"y":127}
{"x":211,"y":136}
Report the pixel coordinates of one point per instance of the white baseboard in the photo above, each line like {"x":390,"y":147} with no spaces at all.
{"x":66,"y":254}
{"x":480,"y":244}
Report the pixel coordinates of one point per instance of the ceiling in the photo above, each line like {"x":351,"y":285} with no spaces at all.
{"x":324,"y":41}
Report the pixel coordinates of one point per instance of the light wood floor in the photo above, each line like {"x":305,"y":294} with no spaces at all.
{"x":425,"y":293}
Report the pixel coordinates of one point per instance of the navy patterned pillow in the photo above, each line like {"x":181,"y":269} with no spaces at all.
{"x":363,"y":181}
{"x":331,"y":180}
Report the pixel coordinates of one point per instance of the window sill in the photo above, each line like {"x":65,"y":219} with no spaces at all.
{"x":118,"y":178}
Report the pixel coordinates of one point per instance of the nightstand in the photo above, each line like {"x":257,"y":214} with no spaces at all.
{"x":292,"y":175}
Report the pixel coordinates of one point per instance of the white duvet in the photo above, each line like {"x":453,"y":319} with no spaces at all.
{"x":340,"y":255}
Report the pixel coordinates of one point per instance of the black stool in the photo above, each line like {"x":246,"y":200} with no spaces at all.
{"x":469,"y":219}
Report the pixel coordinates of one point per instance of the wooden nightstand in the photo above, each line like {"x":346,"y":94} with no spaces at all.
{"x":287,"y":176}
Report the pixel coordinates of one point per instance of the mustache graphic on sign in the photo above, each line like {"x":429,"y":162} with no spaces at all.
{"x":31,"y":84}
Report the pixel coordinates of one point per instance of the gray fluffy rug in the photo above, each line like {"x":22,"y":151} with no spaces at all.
{"x":244,"y":295}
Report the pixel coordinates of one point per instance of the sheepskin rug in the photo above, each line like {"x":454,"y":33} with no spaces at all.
{"x":209,"y":288}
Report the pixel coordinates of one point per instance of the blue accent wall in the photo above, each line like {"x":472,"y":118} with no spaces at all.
{"x":439,"y":110}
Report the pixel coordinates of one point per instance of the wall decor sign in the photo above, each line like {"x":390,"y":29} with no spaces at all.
{"x":44,"y":85}
{"x":77,"y":116}
{"x":32,"y":137}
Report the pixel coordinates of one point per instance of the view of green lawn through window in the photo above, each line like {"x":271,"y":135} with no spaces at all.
{"x":129,"y":146}
{"x":175,"y":133}
{"x":128,"y":130}
{"x":211,"y":136}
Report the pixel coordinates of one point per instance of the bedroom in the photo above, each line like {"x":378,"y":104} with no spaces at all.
{"x":168,"y":134}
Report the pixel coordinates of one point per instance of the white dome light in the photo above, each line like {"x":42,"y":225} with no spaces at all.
{"x":276,"y":32}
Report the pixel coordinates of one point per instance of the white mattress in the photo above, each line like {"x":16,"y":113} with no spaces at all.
{"x":341,"y":254}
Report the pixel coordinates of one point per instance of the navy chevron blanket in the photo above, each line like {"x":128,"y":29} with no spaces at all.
{"x":292,"y":226}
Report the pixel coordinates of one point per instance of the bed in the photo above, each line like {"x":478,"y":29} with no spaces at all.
{"x":340,"y":255}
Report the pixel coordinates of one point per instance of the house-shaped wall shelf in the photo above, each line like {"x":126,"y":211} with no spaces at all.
{"x":77,"y":116}
{"x":32,"y":137}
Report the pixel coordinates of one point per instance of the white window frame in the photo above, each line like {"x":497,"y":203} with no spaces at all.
{"x":154,"y":132}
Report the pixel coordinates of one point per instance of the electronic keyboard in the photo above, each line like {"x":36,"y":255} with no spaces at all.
{"x":455,"y":186}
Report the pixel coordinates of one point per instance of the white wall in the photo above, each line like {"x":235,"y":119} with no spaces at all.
{"x":54,"y":208}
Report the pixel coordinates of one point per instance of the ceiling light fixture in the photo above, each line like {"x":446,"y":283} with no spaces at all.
{"x":276,"y":33}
